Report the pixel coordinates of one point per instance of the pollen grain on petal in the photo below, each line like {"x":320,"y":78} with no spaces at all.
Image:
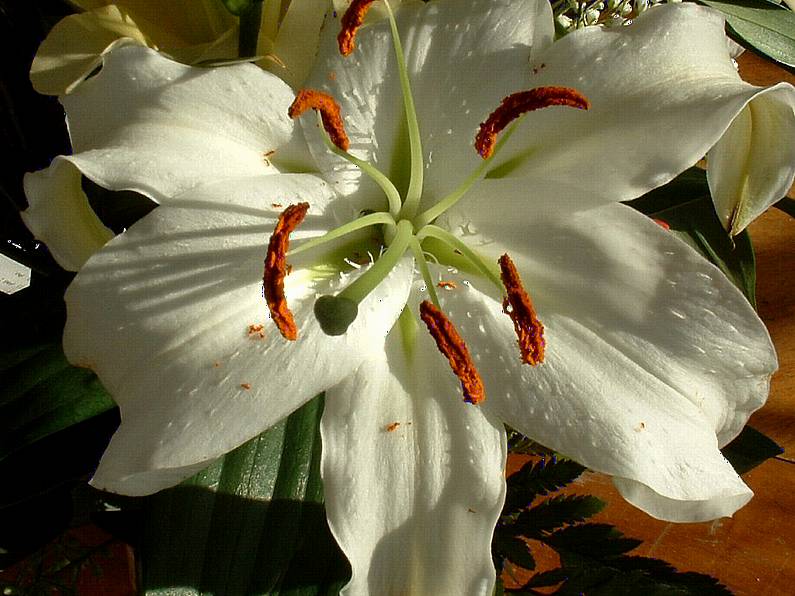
{"x":329,"y":114}
{"x":520,"y":103}
{"x":351,"y":21}
{"x":276,"y":269}
{"x":517,"y":305}
{"x":452,"y":346}
{"x":256,"y":331}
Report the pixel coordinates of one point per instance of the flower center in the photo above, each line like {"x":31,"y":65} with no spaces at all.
{"x":403,"y":228}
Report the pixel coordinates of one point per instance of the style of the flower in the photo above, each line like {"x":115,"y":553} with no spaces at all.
{"x":600,"y":335}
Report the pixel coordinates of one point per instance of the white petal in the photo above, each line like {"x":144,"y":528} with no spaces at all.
{"x":148,"y":124}
{"x":663,"y":91}
{"x":654,"y":359}
{"x":463,"y":57}
{"x":413,"y":505}
{"x":59,"y":214}
{"x":753,"y":164}
{"x":163,"y":315}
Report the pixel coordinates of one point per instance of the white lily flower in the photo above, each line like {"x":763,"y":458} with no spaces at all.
{"x":646,"y":359}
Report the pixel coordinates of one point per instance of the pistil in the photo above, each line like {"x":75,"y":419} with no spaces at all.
{"x":336,"y":313}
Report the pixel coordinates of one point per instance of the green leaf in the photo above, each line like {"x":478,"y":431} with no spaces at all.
{"x":515,"y":550}
{"x":685,"y":205}
{"x":763,"y":25}
{"x":786,"y":205}
{"x":750,"y":449}
{"x":595,"y":541}
{"x":251,"y":523}
{"x":539,"y":478}
{"x":44,"y":394}
{"x":554,"y":513}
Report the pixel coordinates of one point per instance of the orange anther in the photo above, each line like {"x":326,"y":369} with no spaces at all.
{"x":447,"y":285}
{"x":276,"y":269}
{"x":329,"y":114}
{"x":452,"y":346}
{"x":351,"y":21}
{"x":517,"y":305}
{"x":520,"y":103}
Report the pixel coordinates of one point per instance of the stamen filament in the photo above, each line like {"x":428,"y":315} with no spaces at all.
{"x":442,"y":235}
{"x":367,"y":282}
{"x":453,"y":347}
{"x":371,"y":219}
{"x":376,"y":175}
{"x":444,"y":204}
{"x":414,"y":191}
{"x":419,"y":258}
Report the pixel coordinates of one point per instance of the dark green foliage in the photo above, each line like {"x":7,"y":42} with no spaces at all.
{"x":252,"y":523}
{"x":539,"y":478}
{"x":594,"y":557}
{"x":762,"y":25}
{"x":555,"y":512}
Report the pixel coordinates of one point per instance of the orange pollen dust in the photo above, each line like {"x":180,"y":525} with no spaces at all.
{"x":329,"y":114}
{"x":517,"y":305}
{"x":351,"y":21}
{"x":276,"y":269}
{"x":520,"y":103}
{"x":452,"y":346}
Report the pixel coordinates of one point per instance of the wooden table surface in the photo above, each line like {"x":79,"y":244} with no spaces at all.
{"x":754,"y":552}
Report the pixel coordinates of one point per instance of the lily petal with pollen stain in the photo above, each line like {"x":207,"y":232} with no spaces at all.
{"x":597,"y":319}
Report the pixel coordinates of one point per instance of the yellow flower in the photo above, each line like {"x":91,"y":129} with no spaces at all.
{"x":190,"y":31}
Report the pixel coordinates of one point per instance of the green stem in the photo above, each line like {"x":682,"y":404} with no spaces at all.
{"x":414,"y":191}
{"x":419,"y":257}
{"x":488,"y":270}
{"x":250,"y":22}
{"x":367,"y":282}
{"x":371,"y":219}
{"x":444,"y":204}
{"x":376,"y":175}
